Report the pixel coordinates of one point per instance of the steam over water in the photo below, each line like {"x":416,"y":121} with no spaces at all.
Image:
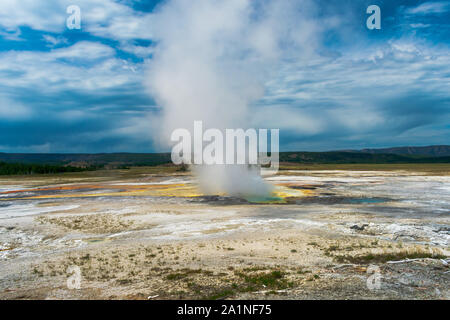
{"x":211,"y":61}
{"x":232,"y":179}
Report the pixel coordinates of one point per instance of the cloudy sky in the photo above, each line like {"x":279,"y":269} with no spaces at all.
{"x":85,"y":90}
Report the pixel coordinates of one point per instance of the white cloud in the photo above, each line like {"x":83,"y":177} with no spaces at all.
{"x":54,"y":41}
{"x":40,"y":15}
{"x":93,"y":66}
{"x":13,"y":35}
{"x":103,"y":18}
{"x":419,"y":25}
{"x":429,"y":8}
{"x":121,"y":26}
{"x":358,"y":118}
{"x":138,"y":51}
{"x":12,"y":110}
{"x":348,"y":94}
{"x":84,"y":50}
{"x":296,"y":120}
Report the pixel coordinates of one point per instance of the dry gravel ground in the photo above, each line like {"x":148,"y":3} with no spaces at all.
{"x":324,"y":245}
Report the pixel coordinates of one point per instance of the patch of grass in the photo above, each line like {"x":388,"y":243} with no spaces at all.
{"x":331,"y":249}
{"x":175,"y":276}
{"x":314,"y":277}
{"x":389,"y":256}
{"x":273,"y":279}
{"x":220,"y":295}
{"x":208,"y":273}
{"x":300,"y":271}
{"x":124,"y":281}
{"x":254,"y":269}
{"x":86,"y":257}
{"x":184,"y":273}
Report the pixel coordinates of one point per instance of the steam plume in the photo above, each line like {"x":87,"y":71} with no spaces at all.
{"x":211,"y":61}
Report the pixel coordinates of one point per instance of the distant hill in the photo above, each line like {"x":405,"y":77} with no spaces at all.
{"x":87,"y":160}
{"x":430,"y":151}
{"x":339,"y":157}
{"x":435,"y":154}
{"x":23,"y":168}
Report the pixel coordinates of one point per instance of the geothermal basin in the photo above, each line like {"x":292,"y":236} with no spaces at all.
{"x":150,"y":232}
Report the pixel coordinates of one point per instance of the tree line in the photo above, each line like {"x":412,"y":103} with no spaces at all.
{"x":24,"y":169}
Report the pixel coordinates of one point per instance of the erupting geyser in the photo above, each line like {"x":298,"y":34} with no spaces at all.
{"x":210,"y":63}
{"x":234,"y":180}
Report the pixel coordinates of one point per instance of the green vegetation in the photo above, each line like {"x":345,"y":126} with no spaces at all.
{"x":185,"y":273}
{"x":126,"y":160}
{"x":25,"y":164}
{"x":338,"y":157}
{"x":175,"y":276}
{"x":273,"y":279}
{"x":25,"y":169}
{"x":389,"y":256}
{"x":221,"y":295}
{"x":429,"y":168}
{"x":114,"y":160}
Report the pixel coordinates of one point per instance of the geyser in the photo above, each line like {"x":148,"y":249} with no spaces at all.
{"x":234,"y":180}
{"x":210,"y":63}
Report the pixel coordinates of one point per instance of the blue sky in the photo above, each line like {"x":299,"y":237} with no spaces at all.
{"x":84,"y":90}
